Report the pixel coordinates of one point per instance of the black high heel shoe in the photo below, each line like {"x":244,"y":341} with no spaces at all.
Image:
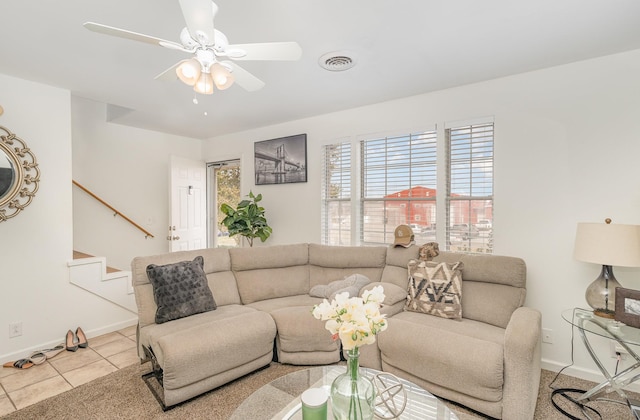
{"x":69,"y":342}
{"x":82,"y":339}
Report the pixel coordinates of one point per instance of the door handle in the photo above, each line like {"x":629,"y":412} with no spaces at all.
{"x":175,"y":238}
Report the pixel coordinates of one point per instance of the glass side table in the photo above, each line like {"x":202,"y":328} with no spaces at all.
{"x":589,"y":324}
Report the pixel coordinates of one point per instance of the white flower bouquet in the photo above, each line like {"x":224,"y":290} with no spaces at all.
{"x":355,"y":320}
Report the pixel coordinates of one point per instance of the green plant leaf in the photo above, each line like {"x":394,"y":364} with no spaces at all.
{"x":247,"y":219}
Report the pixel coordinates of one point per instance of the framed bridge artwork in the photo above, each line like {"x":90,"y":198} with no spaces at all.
{"x":281,"y":161}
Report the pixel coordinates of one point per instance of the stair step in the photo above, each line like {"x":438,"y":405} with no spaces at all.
{"x":91,"y":274}
{"x":79,"y":255}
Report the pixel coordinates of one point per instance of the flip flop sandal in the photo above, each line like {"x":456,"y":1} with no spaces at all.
{"x":37,"y":358}
{"x":48,"y":353}
{"x":19,"y":364}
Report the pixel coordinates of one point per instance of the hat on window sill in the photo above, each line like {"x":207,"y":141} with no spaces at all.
{"x":404,"y":236}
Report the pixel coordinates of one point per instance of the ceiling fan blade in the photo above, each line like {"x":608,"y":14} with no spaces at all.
{"x":169,"y":74}
{"x":198,"y":15}
{"x":243,"y":78}
{"x":287,"y":51}
{"x":123,"y":33}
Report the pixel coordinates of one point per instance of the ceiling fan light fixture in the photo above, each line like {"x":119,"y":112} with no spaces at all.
{"x":189,"y":71}
{"x":204,"y":85}
{"x":222,"y":77}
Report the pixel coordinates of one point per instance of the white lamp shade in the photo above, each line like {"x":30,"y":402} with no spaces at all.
{"x":221,"y":76}
{"x":204,"y":84}
{"x":608,"y":244}
{"x":189,"y":71}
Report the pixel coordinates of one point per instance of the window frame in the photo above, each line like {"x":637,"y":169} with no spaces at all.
{"x":359,"y":197}
{"x":476,"y":140}
{"x":384,"y":152}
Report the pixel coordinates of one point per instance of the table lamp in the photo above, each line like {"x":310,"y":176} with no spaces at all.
{"x":609,"y":245}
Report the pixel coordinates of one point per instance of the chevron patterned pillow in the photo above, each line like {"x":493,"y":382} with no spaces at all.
{"x":435,"y":288}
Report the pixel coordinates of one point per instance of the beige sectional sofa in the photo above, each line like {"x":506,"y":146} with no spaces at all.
{"x":489,"y":361}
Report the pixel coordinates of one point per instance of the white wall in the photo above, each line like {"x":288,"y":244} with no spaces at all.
{"x":567,"y":141}
{"x":129,"y":169}
{"x":37,"y":243}
{"x":566,"y":148}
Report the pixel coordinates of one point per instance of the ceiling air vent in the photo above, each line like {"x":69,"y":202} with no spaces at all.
{"x":336,"y":61}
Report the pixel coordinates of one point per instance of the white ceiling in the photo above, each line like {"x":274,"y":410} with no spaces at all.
{"x":402,"y":48}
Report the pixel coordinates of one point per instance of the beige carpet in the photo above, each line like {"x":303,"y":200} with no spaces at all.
{"x":123,"y":395}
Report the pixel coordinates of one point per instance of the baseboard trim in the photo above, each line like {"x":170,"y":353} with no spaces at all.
{"x":582,"y":373}
{"x":112,"y":328}
{"x":21,"y":354}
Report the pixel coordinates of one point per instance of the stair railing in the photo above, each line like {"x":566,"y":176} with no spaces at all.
{"x":147,"y":234}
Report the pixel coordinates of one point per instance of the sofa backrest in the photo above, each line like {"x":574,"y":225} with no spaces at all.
{"x":271,"y":271}
{"x":493,"y":286}
{"x":217,"y":266}
{"x":395,"y":270}
{"x":330,"y":263}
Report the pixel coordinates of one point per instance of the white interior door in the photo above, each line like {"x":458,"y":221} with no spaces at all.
{"x":188,"y":229}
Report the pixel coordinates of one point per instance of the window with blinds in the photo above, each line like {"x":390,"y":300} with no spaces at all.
{"x":336,"y":194}
{"x":470,"y":188}
{"x":398,"y":186}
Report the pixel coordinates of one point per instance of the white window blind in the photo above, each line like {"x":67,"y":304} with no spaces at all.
{"x":398,"y":186}
{"x":470,"y":188}
{"x":336,"y":194}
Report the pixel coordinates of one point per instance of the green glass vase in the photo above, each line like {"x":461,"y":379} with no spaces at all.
{"x":352,"y":394}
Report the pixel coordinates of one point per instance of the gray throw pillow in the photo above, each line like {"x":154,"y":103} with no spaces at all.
{"x":180,"y":289}
{"x":351,"y":284}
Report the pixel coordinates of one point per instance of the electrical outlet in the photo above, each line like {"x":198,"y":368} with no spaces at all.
{"x":15,"y":329}
{"x":547,"y":336}
{"x":617,"y":348}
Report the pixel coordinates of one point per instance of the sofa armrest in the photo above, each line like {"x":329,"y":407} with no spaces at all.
{"x":522,"y":347}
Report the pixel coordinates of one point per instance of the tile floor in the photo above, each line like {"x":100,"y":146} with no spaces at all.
{"x":105,"y":354}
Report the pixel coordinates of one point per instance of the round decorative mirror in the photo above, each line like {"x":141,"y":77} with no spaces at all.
{"x":19,"y":175}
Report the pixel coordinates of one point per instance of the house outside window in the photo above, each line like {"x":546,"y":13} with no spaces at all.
{"x":397,"y":174}
{"x":394,"y":181}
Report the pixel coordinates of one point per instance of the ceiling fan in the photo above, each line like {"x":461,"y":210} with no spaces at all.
{"x":212,"y":54}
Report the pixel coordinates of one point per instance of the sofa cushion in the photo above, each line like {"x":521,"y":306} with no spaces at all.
{"x":466,"y":356}
{"x":298,"y":330}
{"x":270,"y":272}
{"x":435,"y":288}
{"x":489,"y":279}
{"x":350,"y":284}
{"x":212,"y":344}
{"x":270,"y":305}
{"x":180,"y":289}
{"x":272,"y":283}
{"x":217,"y":265}
{"x":392,"y":294}
{"x":328,"y":263}
{"x":395,"y":269}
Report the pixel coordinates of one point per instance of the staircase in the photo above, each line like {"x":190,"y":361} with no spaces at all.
{"x":93,"y":275}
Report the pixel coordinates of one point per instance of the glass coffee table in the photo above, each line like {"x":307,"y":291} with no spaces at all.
{"x":280,"y":399}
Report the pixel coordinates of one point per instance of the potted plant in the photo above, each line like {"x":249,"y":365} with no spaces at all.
{"x":247,"y":219}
